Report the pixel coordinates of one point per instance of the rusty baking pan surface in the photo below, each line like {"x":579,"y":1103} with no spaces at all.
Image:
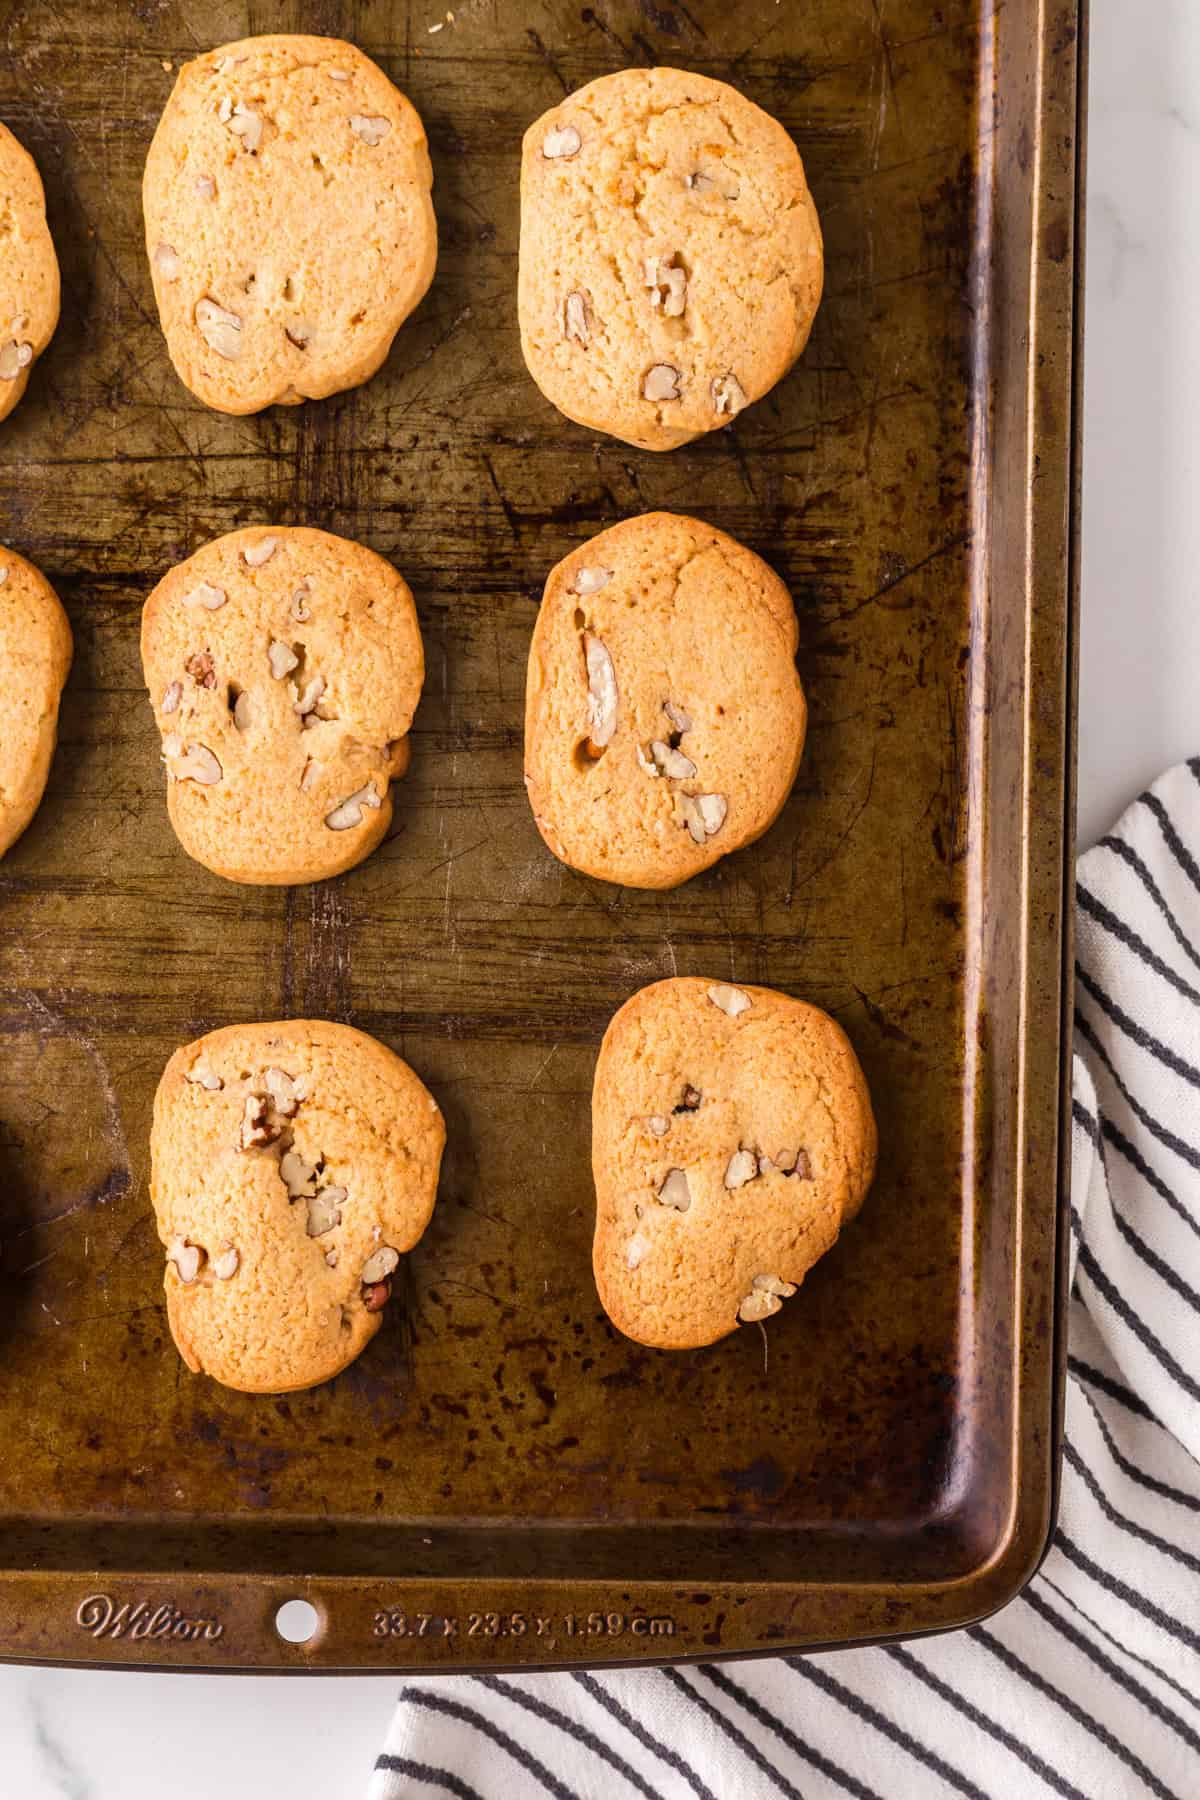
{"x":502,"y":1479}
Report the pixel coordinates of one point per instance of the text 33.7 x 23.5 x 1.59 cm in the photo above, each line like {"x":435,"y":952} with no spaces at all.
{"x":396,"y":1624}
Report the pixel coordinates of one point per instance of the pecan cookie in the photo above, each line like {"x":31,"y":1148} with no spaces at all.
{"x":28,"y":271}
{"x":284,"y":668}
{"x":732,"y":1138}
{"x":289,"y":223}
{"x":292,"y":1165}
{"x":664,"y":719}
{"x":671,"y":260}
{"x":35,"y":658}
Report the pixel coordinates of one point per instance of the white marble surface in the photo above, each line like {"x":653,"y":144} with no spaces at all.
{"x":73,"y":1736}
{"x":1140,"y":649}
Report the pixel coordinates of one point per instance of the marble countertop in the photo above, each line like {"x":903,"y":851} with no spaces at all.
{"x":1140,"y":641}
{"x":67,"y":1735}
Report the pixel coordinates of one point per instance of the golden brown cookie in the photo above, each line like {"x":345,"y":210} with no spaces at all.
{"x":732,"y":1138}
{"x":292,"y":1165}
{"x":35,"y":658}
{"x":28,"y":271}
{"x":289,"y":223}
{"x":284,"y":667}
{"x":664,"y":719}
{"x":671,"y":260}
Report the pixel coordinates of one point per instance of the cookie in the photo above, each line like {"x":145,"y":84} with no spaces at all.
{"x":284,"y":668}
{"x":671,"y":261}
{"x":289,"y":223}
{"x":35,"y":657}
{"x":28,"y":271}
{"x":732,"y":1138}
{"x":664,"y":719}
{"x":292,"y":1165}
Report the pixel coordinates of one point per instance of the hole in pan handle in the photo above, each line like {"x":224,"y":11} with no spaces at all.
{"x":297,"y":1621}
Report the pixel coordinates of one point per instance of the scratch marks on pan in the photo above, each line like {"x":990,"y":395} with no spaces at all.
{"x":546,"y":57}
{"x":287,"y":985}
{"x":437,"y":867}
{"x":886,"y":1026}
{"x":48,"y":1023}
{"x":732,"y":443}
{"x":829,"y":856}
{"x":326,"y":991}
{"x":115,"y":1185}
{"x":668,"y":947}
{"x":885,"y":74}
{"x":460,"y":318}
{"x":957,"y":542}
{"x":133,"y":363}
{"x":506,"y":1306}
{"x":449,"y":926}
{"x":509,"y":510}
{"x":499,"y":660}
{"x":794,"y":435}
{"x":660,"y":17}
{"x":481,"y":1212}
{"x":590,"y":16}
{"x":542,"y":1067}
{"x":41,"y":1261}
{"x":666,"y":19}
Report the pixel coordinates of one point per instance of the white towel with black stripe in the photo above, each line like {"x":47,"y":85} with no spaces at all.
{"x":1088,"y":1685}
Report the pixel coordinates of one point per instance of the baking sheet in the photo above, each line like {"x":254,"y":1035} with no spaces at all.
{"x":500,"y":1453}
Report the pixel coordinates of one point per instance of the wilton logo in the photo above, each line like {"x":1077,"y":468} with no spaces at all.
{"x":101,"y":1615}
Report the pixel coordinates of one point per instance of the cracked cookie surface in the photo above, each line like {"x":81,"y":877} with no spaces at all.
{"x":289,"y":223}
{"x":35,"y":659}
{"x":292,"y":1165}
{"x":664,"y":718}
{"x":732,"y":1138}
{"x":671,"y":262}
{"x":29,"y":282}
{"x":284,"y":666}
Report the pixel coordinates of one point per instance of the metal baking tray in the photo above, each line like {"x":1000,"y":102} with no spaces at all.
{"x":502,"y":1479}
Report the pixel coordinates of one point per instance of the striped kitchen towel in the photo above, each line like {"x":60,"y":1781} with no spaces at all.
{"x":1088,"y":1685}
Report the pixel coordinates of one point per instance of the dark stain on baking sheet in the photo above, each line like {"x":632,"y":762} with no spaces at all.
{"x":498,"y":1424}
